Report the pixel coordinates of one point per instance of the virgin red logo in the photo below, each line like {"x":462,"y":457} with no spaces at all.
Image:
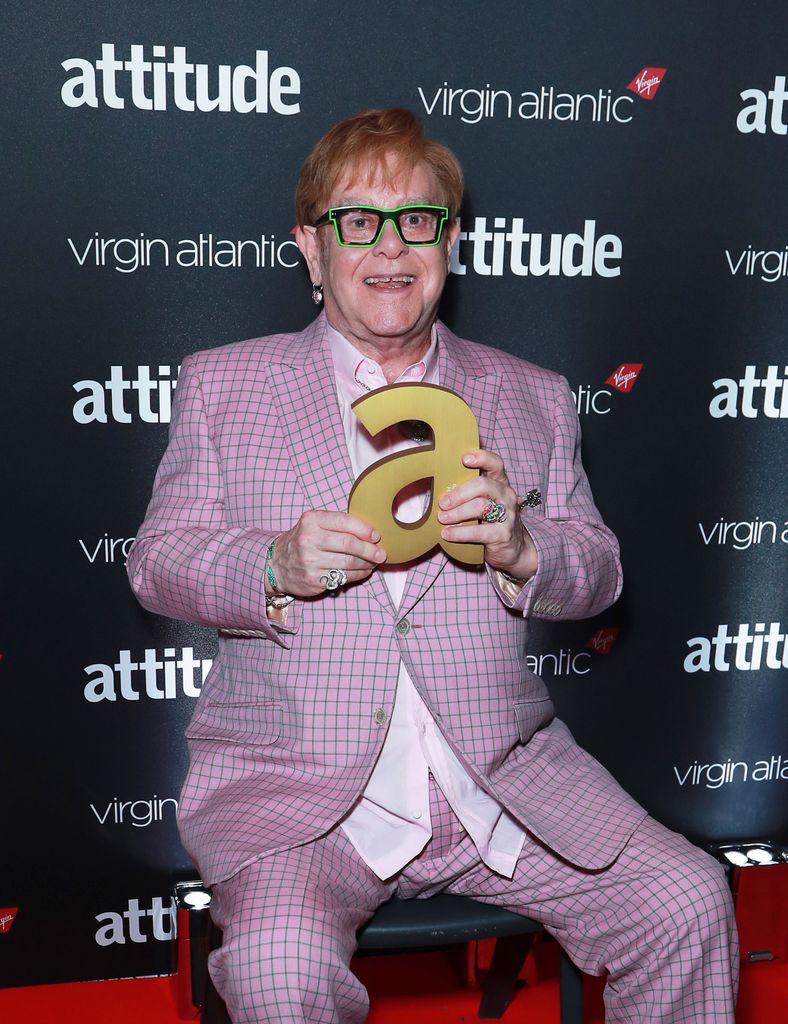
{"x":647,"y":82}
{"x":7,"y":915}
{"x":602,"y":641}
{"x":623,"y":379}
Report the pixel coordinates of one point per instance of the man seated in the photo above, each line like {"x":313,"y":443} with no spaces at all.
{"x":371,"y":729}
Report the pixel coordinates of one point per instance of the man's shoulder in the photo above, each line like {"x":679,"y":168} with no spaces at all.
{"x":250,"y":353}
{"x":477,"y":358}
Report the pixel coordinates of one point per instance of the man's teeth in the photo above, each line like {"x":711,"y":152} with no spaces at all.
{"x":400,"y":278}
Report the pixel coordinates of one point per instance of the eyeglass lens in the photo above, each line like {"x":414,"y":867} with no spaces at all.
{"x":415,"y":224}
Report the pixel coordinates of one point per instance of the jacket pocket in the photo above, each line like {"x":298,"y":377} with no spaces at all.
{"x":532,"y":715}
{"x":249,"y":724}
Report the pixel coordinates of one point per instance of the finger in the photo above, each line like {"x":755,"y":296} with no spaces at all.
{"x":350,"y":577}
{"x":468,"y":510}
{"x":357,"y":575}
{"x":481,"y":487}
{"x":344,"y":522}
{"x":332,"y":561}
{"x":349,"y":546}
{"x":490,"y":463}
{"x":353,"y":575}
{"x":488,"y":534}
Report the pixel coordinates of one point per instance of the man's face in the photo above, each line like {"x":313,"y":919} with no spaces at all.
{"x":389,"y":290}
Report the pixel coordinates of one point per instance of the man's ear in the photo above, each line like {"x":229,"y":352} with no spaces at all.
{"x":306,"y":240}
{"x":451,"y":233}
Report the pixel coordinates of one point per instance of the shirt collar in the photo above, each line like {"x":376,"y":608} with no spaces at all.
{"x":357,"y":374}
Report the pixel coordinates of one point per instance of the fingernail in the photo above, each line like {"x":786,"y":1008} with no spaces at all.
{"x":469,"y":460}
{"x":375,"y":536}
{"x":380,"y":556}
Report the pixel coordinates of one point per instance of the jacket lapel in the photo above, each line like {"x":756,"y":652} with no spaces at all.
{"x":305,"y":393}
{"x":459,"y":371}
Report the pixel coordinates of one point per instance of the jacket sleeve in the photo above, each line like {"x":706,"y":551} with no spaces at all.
{"x":186,"y":561}
{"x":578,"y":569}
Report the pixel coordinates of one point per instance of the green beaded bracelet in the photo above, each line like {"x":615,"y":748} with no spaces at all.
{"x":269,"y":572}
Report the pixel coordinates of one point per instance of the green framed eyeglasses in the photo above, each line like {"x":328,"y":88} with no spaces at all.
{"x":362,"y":225}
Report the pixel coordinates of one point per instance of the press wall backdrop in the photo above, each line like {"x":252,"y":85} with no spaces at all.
{"x":626,"y":223}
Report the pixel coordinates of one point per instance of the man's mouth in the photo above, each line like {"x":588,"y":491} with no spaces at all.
{"x":390,"y":281}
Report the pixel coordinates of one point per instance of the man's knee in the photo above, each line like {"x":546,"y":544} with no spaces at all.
{"x":290,"y":967}
{"x":695,"y":894}
{"x":260,"y":977}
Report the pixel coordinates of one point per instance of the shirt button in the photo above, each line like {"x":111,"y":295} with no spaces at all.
{"x":380,"y":716}
{"x":403,"y":627}
{"x":417,"y":815}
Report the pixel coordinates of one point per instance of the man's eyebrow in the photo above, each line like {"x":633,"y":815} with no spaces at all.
{"x":410,"y":201}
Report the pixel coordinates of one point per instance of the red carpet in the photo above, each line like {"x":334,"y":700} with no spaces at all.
{"x":406,"y":989}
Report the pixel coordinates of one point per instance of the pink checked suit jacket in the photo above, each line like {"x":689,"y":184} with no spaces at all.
{"x":289,"y":723}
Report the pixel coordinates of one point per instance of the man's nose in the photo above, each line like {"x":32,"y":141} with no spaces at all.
{"x":389,"y":243}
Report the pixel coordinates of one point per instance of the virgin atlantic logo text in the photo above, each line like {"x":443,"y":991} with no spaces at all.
{"x":7,"y":915}
{"x":623,"y":379}
{"x":603,"y":640}
{"x":646,"y":83}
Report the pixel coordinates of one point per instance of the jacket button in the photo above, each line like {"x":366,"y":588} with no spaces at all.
{"x":380,"y":716}
{"x":403,"y":627}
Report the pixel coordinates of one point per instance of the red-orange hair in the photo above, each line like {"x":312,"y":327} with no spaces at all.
{"x":362,"y":147}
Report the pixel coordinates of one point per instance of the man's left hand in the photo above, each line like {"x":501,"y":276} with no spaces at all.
{"x":507,"y":544}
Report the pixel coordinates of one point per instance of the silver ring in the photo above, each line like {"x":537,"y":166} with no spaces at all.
{"x":493,"y":512}
{"x":334,"y":578}
{"x":533,"y":499}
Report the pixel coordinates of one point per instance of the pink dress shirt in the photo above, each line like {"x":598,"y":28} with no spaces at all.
{"x":390,"y":824}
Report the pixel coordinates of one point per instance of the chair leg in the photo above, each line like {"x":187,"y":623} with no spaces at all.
{"x":213,"y":1009}
{"x":507,"y":961}
{"x":199,"y":924}
{"x":571,"y":984}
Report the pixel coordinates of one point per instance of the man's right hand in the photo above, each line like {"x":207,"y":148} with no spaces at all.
{"x":320,"y":541}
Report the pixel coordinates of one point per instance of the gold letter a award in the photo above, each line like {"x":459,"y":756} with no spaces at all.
{"x":455,"y":432}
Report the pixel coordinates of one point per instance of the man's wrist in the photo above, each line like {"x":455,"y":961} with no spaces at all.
{"x":275,"y":597}
{"x":518,"y":580}
{"x":524,"y":567}
{"x":272,"y":586}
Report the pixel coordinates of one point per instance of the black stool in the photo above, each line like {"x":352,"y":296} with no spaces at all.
{"x":399,"y":925}
{"x":444,"y":920}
